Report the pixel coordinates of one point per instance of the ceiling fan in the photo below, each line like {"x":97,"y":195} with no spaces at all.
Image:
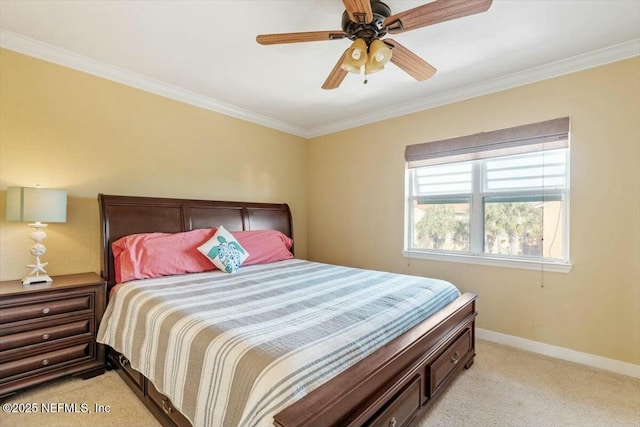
{"x":366,"y":22}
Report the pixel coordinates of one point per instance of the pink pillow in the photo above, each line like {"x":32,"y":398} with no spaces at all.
{"x":264,"y":245}
{"x":142,"y":256}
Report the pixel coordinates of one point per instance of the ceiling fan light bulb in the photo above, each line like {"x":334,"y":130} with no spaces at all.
{"x":352,"y":65}
{"x":355,"y":57}
{"x":379,"y":52}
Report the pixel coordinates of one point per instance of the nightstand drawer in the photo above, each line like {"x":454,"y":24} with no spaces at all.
{"x":46,"y":361}
{"x":45,"y":334}
{"x":45,"y":308}
{"x":49,"y":331}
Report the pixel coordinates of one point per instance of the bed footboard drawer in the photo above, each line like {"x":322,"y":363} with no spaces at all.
{"x":400,"y":409}
{"x":167,"y":407}
{"x":445,"y":364}
{"x":123,"y":363}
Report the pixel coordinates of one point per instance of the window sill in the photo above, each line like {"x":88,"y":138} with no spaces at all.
{"x":553,"y":267}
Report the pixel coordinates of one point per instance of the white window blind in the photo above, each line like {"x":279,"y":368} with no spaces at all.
{"x":454,"y":178}
{"x":542,"y":170}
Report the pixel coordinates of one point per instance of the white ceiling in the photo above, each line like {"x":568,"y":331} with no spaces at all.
{"x":205,"y":53}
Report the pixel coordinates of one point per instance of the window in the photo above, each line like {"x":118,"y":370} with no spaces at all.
{"x":489,"y":205}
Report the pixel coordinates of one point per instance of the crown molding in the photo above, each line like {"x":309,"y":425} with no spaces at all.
{"x":585,"y":61}
{"x":31,"y":47}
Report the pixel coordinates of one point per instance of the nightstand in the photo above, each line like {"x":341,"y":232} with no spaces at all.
{"x":49,"y":331}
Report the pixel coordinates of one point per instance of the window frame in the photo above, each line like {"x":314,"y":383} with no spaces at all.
{"x":477,"y":197}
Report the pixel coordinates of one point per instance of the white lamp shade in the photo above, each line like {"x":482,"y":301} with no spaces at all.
{"x":36,"y":204}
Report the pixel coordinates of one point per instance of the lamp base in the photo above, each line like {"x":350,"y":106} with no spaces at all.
{"x":39,"y":279}
{"x":38,"y":274}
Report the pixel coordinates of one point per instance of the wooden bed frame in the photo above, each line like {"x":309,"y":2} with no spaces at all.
{"x":392,"y":387}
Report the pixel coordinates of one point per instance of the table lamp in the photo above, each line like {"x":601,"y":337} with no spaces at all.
{"x":36,"y":205}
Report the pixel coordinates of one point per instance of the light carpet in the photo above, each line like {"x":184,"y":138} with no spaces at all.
{"x":504,"y":387}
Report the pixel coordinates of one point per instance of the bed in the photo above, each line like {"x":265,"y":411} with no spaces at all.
{"x":390,"y":383}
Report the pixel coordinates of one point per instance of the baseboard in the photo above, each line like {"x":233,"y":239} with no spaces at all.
{"x":587,"y":359}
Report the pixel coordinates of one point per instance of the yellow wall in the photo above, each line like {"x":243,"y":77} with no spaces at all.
{"x":356,"y":209}
{"x":65,"y":129}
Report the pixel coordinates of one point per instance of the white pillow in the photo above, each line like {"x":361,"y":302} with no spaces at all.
{"x":224,"y":251}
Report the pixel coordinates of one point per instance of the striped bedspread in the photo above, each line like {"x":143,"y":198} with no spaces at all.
{"x":235,"y":349}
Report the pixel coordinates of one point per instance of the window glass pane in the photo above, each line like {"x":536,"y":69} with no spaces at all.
{"x":443,"y":179}
{"x":526,"y":226}
{"x":545,"y":169}
{"x":440,"y":224}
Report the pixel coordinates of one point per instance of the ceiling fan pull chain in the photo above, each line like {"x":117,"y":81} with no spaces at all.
{"x":365,"y":79}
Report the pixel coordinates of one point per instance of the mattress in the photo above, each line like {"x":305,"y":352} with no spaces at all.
{"x":235,"y":349}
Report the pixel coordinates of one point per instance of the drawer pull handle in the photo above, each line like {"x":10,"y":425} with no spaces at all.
{"x":45,"y":362}
{"x":45,"y":337}
{"x":46,"y":310}
{"x":166,"y":406}
{"x":392,"y":422}
{"x":123,"y":360}
{"x":455,"y":357}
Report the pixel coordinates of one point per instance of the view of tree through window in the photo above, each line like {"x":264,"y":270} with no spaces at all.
{"x":513,"y":228}
{"x":443,"y":226}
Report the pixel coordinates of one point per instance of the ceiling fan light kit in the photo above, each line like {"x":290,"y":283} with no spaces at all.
{"x":373,"y":57}
{"x":366,"y":22}
{"x":356,"y":57}
{"x":379,"y":55}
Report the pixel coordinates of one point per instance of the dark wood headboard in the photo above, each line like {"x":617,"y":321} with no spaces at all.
{"x":124,"y":215}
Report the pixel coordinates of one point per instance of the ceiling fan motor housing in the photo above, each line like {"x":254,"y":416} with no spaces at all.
{"x":370,"y":31}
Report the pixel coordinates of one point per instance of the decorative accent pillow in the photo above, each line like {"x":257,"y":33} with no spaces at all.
{"x":147,"y":255}
{"x":224,"y":251}
{"x":264,"y":245}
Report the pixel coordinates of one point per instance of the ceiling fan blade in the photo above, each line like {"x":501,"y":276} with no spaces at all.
{"x":337,"y":75}
{"x":310,"y":36}
{"x":433,"y":13}
{"x":409,"y":62}
{"x":359,"y":11}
